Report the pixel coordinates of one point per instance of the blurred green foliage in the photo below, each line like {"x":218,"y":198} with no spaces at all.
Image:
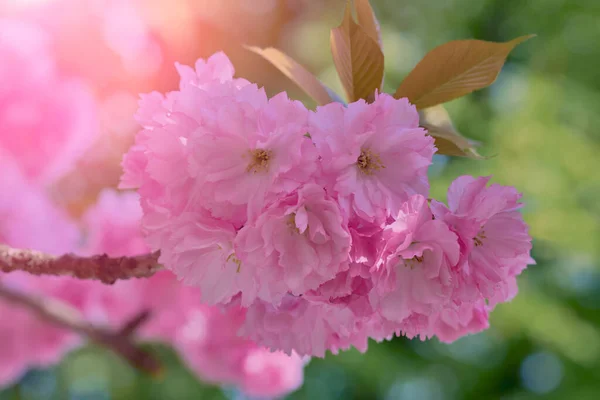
{"x":539,"y":123}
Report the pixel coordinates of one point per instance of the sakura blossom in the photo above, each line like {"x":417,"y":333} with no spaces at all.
{"x":29,"y":219}
{"x":47,"y":121}
{"x":414,"y":275}
{"x":373,"y":156}
{"x":494,"y":239}
{"x":294,"y":246}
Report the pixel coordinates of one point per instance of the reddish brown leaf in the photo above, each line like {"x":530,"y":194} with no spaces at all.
{"x":455,"y":69}
{"x":447,"y":139}
{"x":357,"y":57}
{"x":296,"y":72}
{"x":367,"y":20}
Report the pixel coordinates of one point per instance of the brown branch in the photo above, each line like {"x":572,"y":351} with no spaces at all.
{"x":63,"y":315}
{"x":100,"y":267}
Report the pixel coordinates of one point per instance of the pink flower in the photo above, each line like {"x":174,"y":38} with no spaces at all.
{"x":373,"y":156}
{"x":209,"y":343}
{"x":297,"y":244}
{"x":112,"y":225}
{"x":158,"y":163}
{"x":307,"y":327}
{"x":271,"y":374}
{"x":46,"y":121}
{"x":335,"y":316}
{"x":455,"y":321}
{"x":26,"y":341}
{"x":414,"y":275}
{"x":216,"y":68}
{"x":494,"y":239}
{"x":28,"y":219}
{"x":246,"y":150}
{"x":199,"y":250}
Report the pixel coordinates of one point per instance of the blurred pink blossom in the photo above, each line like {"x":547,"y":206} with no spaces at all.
{"x":46,"y":121}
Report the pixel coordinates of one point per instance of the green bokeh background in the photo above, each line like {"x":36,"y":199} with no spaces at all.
{"x":540,"y":123}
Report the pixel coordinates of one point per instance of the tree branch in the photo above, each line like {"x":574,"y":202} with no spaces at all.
{"x":100,"y":267}
{"x":62,"y":314}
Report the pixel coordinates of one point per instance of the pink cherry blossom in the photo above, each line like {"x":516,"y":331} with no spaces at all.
{"x":199,"y":250}
{"x":455,"y":321}
{"x":296,"y":245}
{"x":247,"y":150}
{"x":28,"y":219}
{"x":334,"y":317}
{"x":219,"y":141}
{"x":210,"y":344}
{"x":494,"y":239}
{"x":374,"y":156}
{"x":307,"y":327}
{"x":26,"y":341}
{"x":271,"y":374}
{"x":414,"y":275}
{"x":112,"y":225}
{"x":46,"y":121}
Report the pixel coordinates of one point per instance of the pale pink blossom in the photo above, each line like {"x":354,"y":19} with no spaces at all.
{"x":414,"y":275}
{"x":247,"y":150}
{"x":373,"y":156}
{"x":216,"y":68}
{"x":113,"y":225}
{"x":209,"y":343}
{"x":294,"y":246}
{"x":220,"y":142}
{"x":271,"y":374}
{"x":28,"y":218}
{"x":26,"y":341}
{"x":334,"y":317}
{"x":307,"y":327}
{"x":457,"y":320}
{"x":494,"y":239}
{"x":198,"y":248}
{"x":46,"y":121}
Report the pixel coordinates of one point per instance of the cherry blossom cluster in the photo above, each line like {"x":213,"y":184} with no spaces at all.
{"x":317,"y":224}
{"x":46,"y":124}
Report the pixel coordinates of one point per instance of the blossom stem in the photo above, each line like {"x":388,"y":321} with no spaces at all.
{"x":63,"y":315}
{"x":98,"y":267}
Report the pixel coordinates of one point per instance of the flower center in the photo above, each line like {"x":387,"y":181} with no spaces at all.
{"x":291,"y":223}
{"x":413,"y":262}
{"x":369,"y":162}
{"x":233,"y":258}
{"x":479,"y":238}
{"x":259,"y":160}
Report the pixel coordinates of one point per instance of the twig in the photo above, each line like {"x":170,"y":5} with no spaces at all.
{"x":62,"y":314}
{"x":99,"y":267}
{"x":133,"y":324}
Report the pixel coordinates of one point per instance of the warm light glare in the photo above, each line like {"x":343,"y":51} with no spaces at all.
{"x":28,"y":3}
